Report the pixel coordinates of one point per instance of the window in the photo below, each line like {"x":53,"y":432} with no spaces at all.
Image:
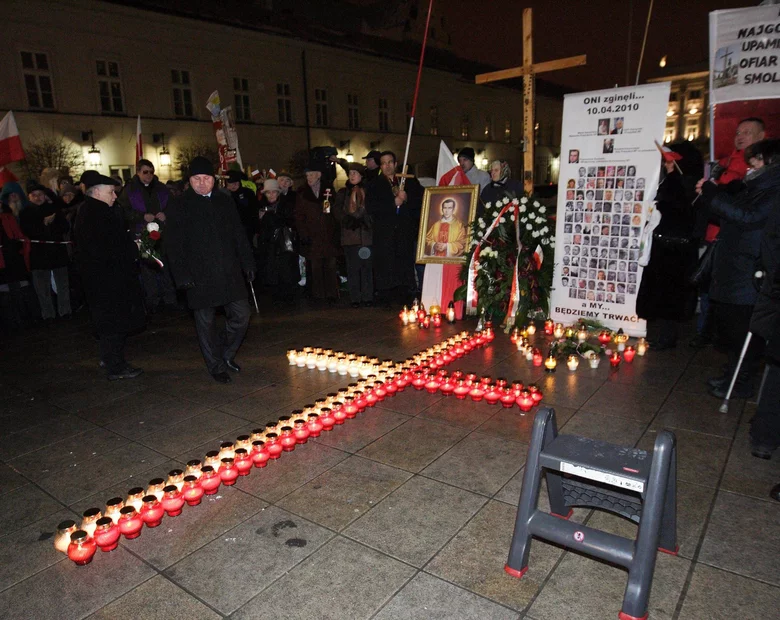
{"x":694,"y":94}
{"x":434,"y":131}
{"x":537,"y":132}
{"x":507,"y":131}
{"x":673,"y":96}
{"x":692,"y":128}
{"x":320,"y":107}
{"x":353,"y":115}
{"x":122,"y":171}
{"x":182,"y":93}
{"x":488,"y":131}
{"x":670,"y":133}
{"x":109,"y":87}
{"x":37,"y":80}
{"x":464,"y":126}
{"x":384,"y":115}
{"x":284,"y":103}
{"x":242,"y":109}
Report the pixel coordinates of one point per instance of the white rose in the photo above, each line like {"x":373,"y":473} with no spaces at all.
{"x":522,"y":209}
{"x":545,"y":241}
{"x":523,"y":200}
{"x":502,"y":220}
{"x":535,"y":234}
{"x":481,"y":223}
{"x":152,"y":226}
{"x":542,"y":210}
{"x":529,"y":227}
{"x":512,"y":217}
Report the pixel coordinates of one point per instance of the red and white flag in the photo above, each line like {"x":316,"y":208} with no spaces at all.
{"x":448,"y":170}
{"x":139,"y":141}
{"x":10,"y":143}
{"x":538,"y":256}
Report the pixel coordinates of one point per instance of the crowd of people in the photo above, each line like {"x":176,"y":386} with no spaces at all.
{"x":719,"y":239}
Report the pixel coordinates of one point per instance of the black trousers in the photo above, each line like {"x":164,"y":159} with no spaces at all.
{"x":360,"y":275}
{"x":218,"y":347}
{"x":324,"y":278}
{"x":765,"y":425}
{"x":112,"y":352}
{"x":732,"y":324}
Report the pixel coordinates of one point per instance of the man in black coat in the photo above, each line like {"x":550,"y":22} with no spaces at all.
{"x":107,"y":261}
{"x":247,"y":204}
{"x":208,"y":249}
{"x":396,"y":216}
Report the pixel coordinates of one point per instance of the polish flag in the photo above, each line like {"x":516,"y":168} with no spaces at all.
{"x":139,"y":142}
{"x":538,"y":256}
{"x":448,"y":170}
{"x":10,"y":143}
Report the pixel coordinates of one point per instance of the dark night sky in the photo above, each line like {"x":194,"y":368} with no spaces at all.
{"x":598,"y":28}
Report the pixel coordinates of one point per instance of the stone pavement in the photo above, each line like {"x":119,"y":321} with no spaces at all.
{"x":405,"y":512}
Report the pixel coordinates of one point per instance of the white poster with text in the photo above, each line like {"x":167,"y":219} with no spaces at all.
{"x":610,"y":168}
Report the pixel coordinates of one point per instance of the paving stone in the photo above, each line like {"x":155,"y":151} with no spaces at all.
{"x":362,"y":430}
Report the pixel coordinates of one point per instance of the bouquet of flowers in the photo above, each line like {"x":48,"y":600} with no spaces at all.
{"x":509,"y":268}
{"x":147,"y":243}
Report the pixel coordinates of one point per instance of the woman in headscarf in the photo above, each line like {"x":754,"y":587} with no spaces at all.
{"x":500,"y":186}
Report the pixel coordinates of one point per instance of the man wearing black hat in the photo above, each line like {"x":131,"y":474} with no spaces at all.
{"x":44,"y":221}
{"x":144,"y":201}
{"x":208,"y":249}
{"x":475,"y":175}
{"x":372,"y":166}
{"x":107,"y":260}
{"x":246,"y":202}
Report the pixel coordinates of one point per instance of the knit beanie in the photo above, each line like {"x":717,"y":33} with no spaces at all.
{"x":201,"y":165}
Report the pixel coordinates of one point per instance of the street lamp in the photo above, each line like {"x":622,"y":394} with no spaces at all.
{"x":165,"y":154}
{"x":93,"y":154}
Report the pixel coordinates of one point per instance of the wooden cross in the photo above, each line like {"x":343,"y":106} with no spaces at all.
{"x":527,"y":71}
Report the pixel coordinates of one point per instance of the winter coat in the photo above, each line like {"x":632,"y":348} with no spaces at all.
{"x":494,"y":192}
{"x":107,"y":260}
{"x":665,"y":291}
{"x":394,"y":232}
{"x":767,"y":307}
{"x":318,"y":231}
{"x":43,"y":255}
{"x":207,"y":247}
{"x":248,"y":207}
{"x":743,"y":216}
{"x":277,"y":244}
{"x":14,"y":251}
{"x":355,"y":225}
{"x":138,"y":199}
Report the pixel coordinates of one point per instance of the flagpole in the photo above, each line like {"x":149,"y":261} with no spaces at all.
{"x":416,"y":93}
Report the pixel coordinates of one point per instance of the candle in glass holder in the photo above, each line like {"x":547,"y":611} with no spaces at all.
{"x":525,"y":401}
{"x":412,"y":316}
{"x":349,"y":408}
{"x":558,"y":330}
{"x":273,"y":446}
{"x":156,"y":486}
{"x":508,"y":398}
{"x":193,"y":468}
{"x":572,"y":362}
{"x":614,"y":360}
{"x":621,"y":339}
{"x":451,"y":312}
{"x":212,"y":459}
{"x":315,"y":424}
{"x":327,"y":418}
{"x":333,"y":364}
{"x":191,"y":491}
{"x":81,"y":548}
{"x":605,"y":336}
{"x":515,"y":335}
{"x":477,"y":393}
{"x":537,"y":357}
{"x":135,"y":498}
{"x":130,"y":522}
{"x":436,"y":320}
{"x":404,"y":316}
{"x":531,"y":329}
{"x":243,"y":462}
{"x":461,"y":390}
{"x":629,"y":353}
{"x":287,"y":439}
{"x":292,"y":357}
{"x":493,"y":395}
{"x":641,"y":347}
{"x":582,"y":334}
{"x":89,"y":520}
{"x":569,"y":332}
{"x":593,"y":359}
{"x":529,"y":354}
{"x":549,"y":327}
{"x":173,"y":500}
{"x":425,"y":323}
{"x":107,"y":534}
{"x":301,"y":430}
{"x":536,"y":393}
{"x":550,"y":363}
{"x":152,"y":511}
{"x":259,"y":454}
{"x":113,"y":506}
{"x":322,"y":363}
{"x":300,"y":359}
{"x":209,"y":480}
{"x":228,"y":472}
{"x":175,"y":477}
{"x":62,"y":537}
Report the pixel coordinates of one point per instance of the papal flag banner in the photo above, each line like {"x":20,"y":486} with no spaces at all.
{"x":610,"y":167}
{"x":744,"y":72}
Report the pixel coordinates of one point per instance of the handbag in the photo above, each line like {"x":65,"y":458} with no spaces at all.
{"x":702,"y":275}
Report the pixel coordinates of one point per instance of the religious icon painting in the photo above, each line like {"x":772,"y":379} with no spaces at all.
{"x":445,"y":223}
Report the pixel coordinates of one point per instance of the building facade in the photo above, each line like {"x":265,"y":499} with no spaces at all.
{"x":687,"y":116}
{"x":85,"y":70}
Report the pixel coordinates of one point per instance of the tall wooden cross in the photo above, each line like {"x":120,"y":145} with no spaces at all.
{"x":527,"y":71}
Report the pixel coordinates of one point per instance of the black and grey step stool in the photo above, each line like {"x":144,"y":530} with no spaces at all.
{"x":636,"y":484}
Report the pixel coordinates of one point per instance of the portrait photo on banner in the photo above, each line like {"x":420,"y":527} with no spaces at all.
{"x":445,"y":230}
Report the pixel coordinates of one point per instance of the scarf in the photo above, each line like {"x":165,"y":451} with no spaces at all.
{"x":505,"y":173}
{"x":357,"y":199}
{"x":12,"y":231}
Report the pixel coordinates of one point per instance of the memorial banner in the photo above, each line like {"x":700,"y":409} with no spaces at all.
{"x":608,"y":178}
{"x":744,"y":72}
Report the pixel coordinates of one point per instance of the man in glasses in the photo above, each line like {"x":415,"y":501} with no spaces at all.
{"x":143,"y":202}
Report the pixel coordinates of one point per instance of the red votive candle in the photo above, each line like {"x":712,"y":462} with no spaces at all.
{"x":629,"y":354}
{"x":287,"y":439}
{"x":130,"y":523}
{"x":228,"y":472}
{"x":191,"y":491}
{"x":243,"y":462}
{"x":152,"y":511}
{"x":209,"y":480}
{"x":172,"y":501}
{"x":273,"y":446}
{"x":107,"y":534}
{"x":81,"y":548}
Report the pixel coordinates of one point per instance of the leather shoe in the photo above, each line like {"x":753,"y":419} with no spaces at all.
{"x":231,"y":364}
{"x":761,"y":451}
{"x":740,"y":391}
{"x":128,"y":372}
{"x":775,"y":493}
{"x":222,"y":377}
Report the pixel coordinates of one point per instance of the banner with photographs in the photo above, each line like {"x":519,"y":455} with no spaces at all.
{"x":607,"y":183}
{"x":744,"y":72}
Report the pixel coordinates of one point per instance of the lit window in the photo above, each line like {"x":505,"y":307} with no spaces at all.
{"x":353,"y":111}
{"x":384,"y":115}
{"x":109,"y":87}
{"x":182,"y":93}
{"x":37,"y":80}
{"x":241,"y":109}
{"x":284,"y":103}
{"x":320,"y":107}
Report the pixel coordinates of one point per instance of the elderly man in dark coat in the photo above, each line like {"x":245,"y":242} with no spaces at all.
{"x":107,"y":261}
{"x":396,"y":216}
{"x":208,"y":249}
